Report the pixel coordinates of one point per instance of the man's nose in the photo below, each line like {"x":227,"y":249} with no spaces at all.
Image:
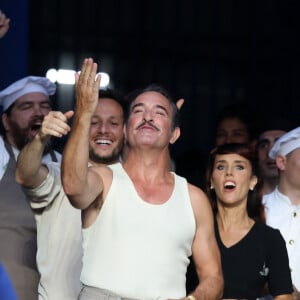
{"x":102,"y":127}
{"x":148,"y":116}
{"x":40,"y":111}
{"x":228,"y":139}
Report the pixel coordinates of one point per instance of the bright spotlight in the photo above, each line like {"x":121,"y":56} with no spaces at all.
{"x":63,"y":76}
{"x":52,"y":75}
{"x":104,"y":79}
{"x":66,"y":76}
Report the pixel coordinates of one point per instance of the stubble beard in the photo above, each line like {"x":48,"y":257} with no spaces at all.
{"x":108,"y":159}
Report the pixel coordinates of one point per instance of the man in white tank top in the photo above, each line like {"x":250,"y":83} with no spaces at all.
{"x":140,"y":221}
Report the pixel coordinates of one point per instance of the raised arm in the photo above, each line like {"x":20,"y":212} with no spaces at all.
{"x":30,"y":171}
{"x":205,"y":249}
{"x":81,"y":184}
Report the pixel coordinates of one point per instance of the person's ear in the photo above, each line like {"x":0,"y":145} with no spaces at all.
{"x":253,"y":182}
{"x":5,"y":121}
{"x":253,"y":144}
{"x":124,"y":131}
{"x":175,"y":135}
{"x":179,"y":103}
{"x":280,"y":162}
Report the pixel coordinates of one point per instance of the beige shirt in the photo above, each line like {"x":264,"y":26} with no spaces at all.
{"x":59,"y":239}
{"x":4,"y":157}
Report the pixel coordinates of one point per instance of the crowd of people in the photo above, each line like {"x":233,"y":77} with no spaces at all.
{"x":111,"y":218}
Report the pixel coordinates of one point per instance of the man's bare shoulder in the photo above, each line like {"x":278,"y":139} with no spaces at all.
{"x":200,"y":202}
{"x":104,"y":172}
{"x":100,"y":169}
{"x":196,"y":193}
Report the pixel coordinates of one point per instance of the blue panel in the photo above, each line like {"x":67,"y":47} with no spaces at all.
{"x":14,"y":45}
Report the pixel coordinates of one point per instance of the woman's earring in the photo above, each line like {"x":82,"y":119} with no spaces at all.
{"x":211,"y":187}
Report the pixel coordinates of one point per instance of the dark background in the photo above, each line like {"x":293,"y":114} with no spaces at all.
{"x":211,"y":53}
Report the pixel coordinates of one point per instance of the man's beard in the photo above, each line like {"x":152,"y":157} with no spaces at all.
{"x":21,"y":137}
{"x":107,"y":160}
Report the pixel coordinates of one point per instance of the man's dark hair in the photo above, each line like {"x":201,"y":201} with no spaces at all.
{"x":115,"y":95}
{"x":242,"y":112}
{"x":154,"y":88}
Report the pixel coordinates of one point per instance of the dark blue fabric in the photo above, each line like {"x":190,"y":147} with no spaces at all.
{"x":14,"y":45}
{"x":7,"y":291}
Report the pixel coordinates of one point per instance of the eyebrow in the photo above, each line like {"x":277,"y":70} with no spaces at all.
{"x":163,"y":108}
{"x":262,"y":140}
{"x":157,"y":106}
{"x":111,"y":117}
{"x":235,"y":161}
{"x":29,"y":101}
{"x":136,"y":105}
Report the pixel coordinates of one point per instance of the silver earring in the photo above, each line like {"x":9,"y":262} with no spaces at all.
{"x":211,"y":187}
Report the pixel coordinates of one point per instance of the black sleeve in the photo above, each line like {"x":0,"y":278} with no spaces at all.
{"x":279,"y":280}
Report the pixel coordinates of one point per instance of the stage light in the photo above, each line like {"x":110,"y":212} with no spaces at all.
{"x":63,"y":76}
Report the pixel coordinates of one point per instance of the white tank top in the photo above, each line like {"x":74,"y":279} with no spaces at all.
{"x":136,"y":249}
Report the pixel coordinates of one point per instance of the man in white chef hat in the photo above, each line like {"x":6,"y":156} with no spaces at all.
{"x":282,"y":206}
{"x":23,"y":105}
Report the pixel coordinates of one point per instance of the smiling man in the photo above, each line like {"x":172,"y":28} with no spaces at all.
{"x":141,"y":221}
{"x":24,"y":105}
{"x":59,"y":252}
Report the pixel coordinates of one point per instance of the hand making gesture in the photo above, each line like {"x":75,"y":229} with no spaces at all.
{"x":87,"y":87}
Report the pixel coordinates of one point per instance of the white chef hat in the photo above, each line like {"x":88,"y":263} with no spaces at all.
{"x":286,"y":143}
{"x":29,"y":84}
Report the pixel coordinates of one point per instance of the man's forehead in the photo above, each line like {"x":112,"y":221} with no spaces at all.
{"x":151,"y":96}
{"x":109,"y":105}
{"x":33,"y":97}
{"x":296,"y":151}
{"x":108,"y":115}
{"x":271,"y":134}
{"x":153,"y":99}
{"x":108,"y":99}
